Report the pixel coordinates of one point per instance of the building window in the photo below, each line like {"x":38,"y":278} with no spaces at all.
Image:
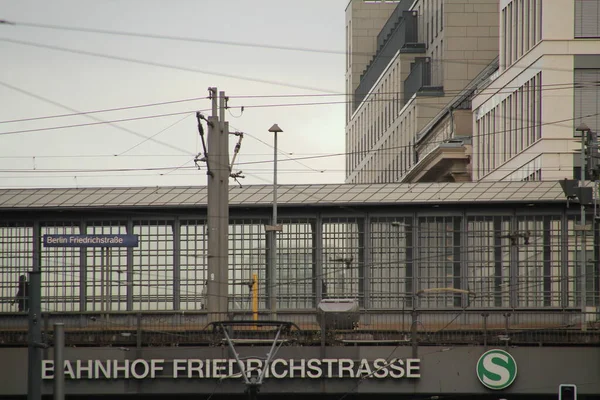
{"x":441,"y":15}
{"x":587,"y":98}
{"x":587,"y":18}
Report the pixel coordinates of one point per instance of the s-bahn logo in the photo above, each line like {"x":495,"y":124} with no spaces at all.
{"x":496,"y":369}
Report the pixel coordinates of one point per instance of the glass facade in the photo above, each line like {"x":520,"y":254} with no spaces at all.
{"x":500,"y":259}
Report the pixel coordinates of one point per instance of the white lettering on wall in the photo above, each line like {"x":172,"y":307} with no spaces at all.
{"x":328,"y":368}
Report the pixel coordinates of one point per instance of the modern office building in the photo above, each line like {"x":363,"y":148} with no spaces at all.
{"x":512,"y":117}
{"x":404,"y":71}
{"x":547,"y":84}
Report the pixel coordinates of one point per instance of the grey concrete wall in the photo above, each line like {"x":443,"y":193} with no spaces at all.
{"x":443,"y":371}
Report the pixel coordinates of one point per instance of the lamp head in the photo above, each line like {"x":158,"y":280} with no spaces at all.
{"x":581,"y":128}
{"x":275,"y":129}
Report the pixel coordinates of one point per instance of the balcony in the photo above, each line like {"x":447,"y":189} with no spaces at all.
{"x":401,"y":35}
{"x":426,"y":76}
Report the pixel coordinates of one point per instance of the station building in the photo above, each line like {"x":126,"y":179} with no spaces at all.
{"x":430,"y":290}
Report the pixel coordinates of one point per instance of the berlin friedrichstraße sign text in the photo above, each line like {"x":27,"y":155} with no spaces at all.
{"x":90,"y":240}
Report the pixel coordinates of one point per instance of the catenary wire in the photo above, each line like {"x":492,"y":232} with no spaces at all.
{"x":55,"y":103}
{"x":164,"y":65}
{"x":278,"y":83}
{"x":231,"y":43}
{"x":504,"y":89}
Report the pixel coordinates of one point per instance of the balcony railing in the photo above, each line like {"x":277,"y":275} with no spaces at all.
{"x":392,"y":22}
{"x":425,"y":75}
{"x":402,"y":36}
{"x":433,"y":327}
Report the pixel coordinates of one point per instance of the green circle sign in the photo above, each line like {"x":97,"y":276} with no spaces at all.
{"x":496,"y":369}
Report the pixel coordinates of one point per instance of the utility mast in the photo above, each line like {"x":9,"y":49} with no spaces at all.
{"x":217,"y":162}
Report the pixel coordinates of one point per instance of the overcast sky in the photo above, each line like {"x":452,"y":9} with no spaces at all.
{"x":38,"y":80}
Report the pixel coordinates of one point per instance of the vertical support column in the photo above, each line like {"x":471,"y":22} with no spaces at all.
{"x":255,"y":297}
{"x":319,"y":281}
{"x":139,"y":331}
{"x":223,"y":207}
{"x":514,"y":267}
{"x":583,"y":243}
{"x":270,"y":279}
{"x":223,"y":182}
{"x":364,"y":261}
{"x":485,"y":333}
{"x":564,"y":260}
{"x":59,"y":361}
{"x":83,"y":271}
{"x":102,"y":280}
{"x":414,"y":329}
{"x":129,"y":230}
{"x":547,"y":260}
{"x":218,"y":211}
{"x":507,"y":330}
{"x":596,"y":269}
{"x":411,"y":240}
{"x":498,"y":297}
{"x":34,"y":368}
{"x":457,"y":259}
{"x":176,"y":228}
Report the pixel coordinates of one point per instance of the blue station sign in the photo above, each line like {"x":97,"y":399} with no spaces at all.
{"x":90,"y":240}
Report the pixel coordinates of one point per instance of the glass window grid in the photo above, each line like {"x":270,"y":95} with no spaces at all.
{"x":247,"y":256}
{"x":437,"y":255}
{"x":153,"y":266}
{"x":193,"y":264}
{"x":488,"y":260}
{"x":391,"y":243}
{"x":16,"y":259}
{"x":574,"y":272}
{"x":296,"y":281}
{"x":60,"y":268}
{"x":342,"y":248}
{"x":539,"y":262}
{"x":106,"y":283}
{"x":541,"y":278}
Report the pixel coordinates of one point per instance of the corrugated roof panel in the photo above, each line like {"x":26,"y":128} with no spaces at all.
{"x":191,"y":197}
{"x":74,"y":199}
{"x":6,"y":196}
{"x":26,"y":199}
{"x":10,"y":200}
{"x":288,"y":194}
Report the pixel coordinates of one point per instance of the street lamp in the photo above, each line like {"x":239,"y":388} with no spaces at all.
{"x":273,"y":229}
{"x":584,"y":129}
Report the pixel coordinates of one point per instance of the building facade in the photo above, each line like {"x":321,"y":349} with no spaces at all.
{"x":547,"y":84}
{"x":403,"y":71}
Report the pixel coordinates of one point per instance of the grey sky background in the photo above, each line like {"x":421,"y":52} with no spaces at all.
{"x":86,"y":83}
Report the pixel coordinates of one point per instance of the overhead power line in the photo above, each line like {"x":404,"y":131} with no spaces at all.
{"x":177,"y":38}
{"x":243,"y":44}
{"x":227,"y":43}
{"x":439,"y":107}
{"x":505,"y":89}
{"x":100,"y":123}
{"x":164,"y":65}
{"x":94,"y":111}
{"x":57,"y":104}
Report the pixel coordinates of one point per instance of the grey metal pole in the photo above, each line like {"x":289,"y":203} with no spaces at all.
{"x":223,"y":182}
{"x":582,"y":246}
{"x":34,"y":367}
{"x":413,"y":334}
{"x":273,"y":298}
{"x":212,"y":284}
{"x":59,"y":361}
